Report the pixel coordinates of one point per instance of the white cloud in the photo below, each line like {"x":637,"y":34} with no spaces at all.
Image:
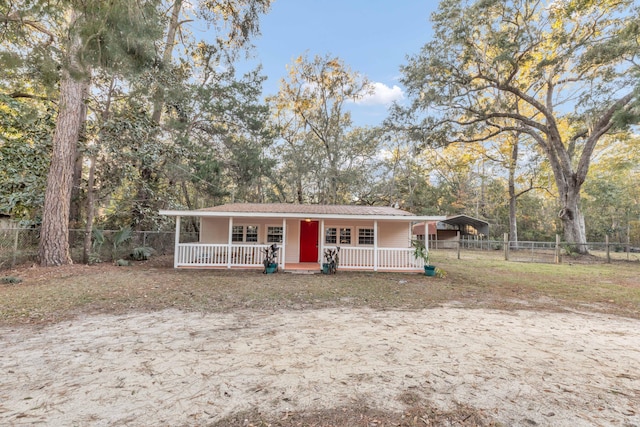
{"x":382,"y":95}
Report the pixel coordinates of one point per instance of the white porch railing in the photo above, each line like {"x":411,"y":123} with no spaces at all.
{"x":352,"y":258}
{"x":219,"y":255}
{"x":388,"y":259}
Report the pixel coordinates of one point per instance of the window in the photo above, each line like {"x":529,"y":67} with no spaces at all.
{"x":242,"y":233}
{"x":252,"y":233}
{"x":331,"y":236}
{"x":237,"y":233}
{"x":274,"y":234}
{"x":345,"y":236}
{"x":365,"y":236}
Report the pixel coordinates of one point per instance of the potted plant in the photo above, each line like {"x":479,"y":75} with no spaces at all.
{"x":269,"y":262}
{"x":421,"y":252}
{"x":331,"y":258}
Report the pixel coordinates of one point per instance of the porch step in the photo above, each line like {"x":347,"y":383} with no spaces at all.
{"x":303,"y":271}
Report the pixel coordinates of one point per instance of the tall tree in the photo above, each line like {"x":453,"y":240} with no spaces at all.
{"x":74,"y":87}
{"x":65,"y":42}
{"x":311,"y":112}
{"x":72,"y":37}
{"x":194,"y":71}
{"x":571,"y":65}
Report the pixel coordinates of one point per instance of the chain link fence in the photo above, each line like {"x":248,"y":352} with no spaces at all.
{"x":20,"y":245}
{"x":541,"y":252}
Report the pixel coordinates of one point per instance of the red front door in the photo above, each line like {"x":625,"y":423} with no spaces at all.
{"x":308,"y":241}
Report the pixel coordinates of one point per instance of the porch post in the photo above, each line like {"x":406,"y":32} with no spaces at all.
{"x":321,"y":241}
{"x":230,"y":239}
{"x":284,"y":240}
{"x":375,"y":245}
{"x":176,"y":248}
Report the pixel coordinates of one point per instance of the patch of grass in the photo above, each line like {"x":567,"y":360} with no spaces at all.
{"x":54,"y":294}
{"x":360,"y":415}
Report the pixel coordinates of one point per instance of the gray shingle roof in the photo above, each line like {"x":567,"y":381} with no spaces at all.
{"x":287,"y":208}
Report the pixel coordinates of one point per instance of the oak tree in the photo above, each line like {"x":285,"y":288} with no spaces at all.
{"x":568,"y":67}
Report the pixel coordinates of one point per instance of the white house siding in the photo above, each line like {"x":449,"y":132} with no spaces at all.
{"x":353,"y":225}
{"x":214,"y":230}
{"x":393,"y":235}
{"x":292,"y":252}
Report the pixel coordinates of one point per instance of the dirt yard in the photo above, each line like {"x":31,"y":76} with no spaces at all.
{"x":169,"y":367}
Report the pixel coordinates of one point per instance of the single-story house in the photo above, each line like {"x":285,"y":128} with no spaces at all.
{"x":448,"y":229}
{"x":235,"y":235}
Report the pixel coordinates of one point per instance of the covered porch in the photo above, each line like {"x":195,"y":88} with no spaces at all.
{"x":207,"y":255}
{"x":237,"y":236}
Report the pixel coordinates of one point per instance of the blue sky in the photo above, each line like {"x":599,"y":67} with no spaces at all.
{"x":372,"y":37}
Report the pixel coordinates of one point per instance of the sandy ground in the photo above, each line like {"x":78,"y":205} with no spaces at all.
{"x":174,"y":368}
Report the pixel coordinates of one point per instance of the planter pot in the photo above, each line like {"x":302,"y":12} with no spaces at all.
{"x":271,"y":268}
{"x":430,"y":270}
{"x":325,"y":268}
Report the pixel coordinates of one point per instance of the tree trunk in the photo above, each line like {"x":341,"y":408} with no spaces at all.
{"x":88,"y":230}
{"x":143,"y":204}
{"x":76,"y":196}
{"x":91,"y":194}
{"x":299,"y":192}
{"x":54,"y":234}
{"x":166,"y":57}
{"x":513,"y":223}
{"x":572,"y":218}
{"x":568,"y":184}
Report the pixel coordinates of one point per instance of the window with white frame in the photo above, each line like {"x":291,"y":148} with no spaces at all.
{"x":336,"y":235}
{"x":365,"y":236}
{"x":251,"y":234}
{"x":274,"y":234}
{"x":331,"y":236}
{"x":237,"y":233}
{"x":345,"y":236}
{"x":244,"y":233}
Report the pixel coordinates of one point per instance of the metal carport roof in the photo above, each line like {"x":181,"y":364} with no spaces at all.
{"x":464,"y":220}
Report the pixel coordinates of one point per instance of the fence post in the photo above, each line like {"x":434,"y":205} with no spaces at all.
{"x":15,"y":248}
{"x":606,"y":244}
{"x":459,"y":243}
{"x":506,"y":246}
{"x":558,"y":258}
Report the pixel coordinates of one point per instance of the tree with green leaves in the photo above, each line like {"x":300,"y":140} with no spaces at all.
{"x":25,"y":146}
{"x":74,"y":38}
{"x":565,"y":73}
{"x":61,"y":45}
{"x":611,"y":195}
{"x":310,"y":110}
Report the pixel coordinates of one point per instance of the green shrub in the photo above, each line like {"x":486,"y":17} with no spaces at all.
{"x":142,"y":253}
